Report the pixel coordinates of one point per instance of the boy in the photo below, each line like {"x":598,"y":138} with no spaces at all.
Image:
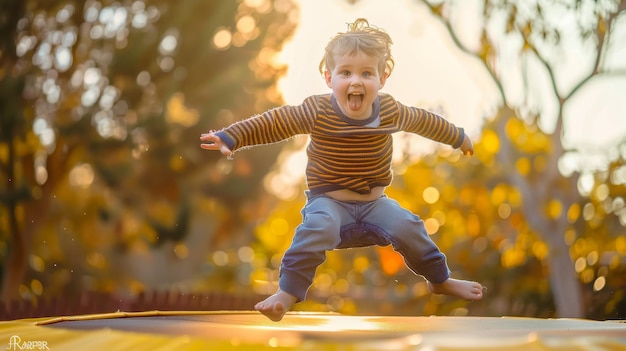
{"x":349,"y":166}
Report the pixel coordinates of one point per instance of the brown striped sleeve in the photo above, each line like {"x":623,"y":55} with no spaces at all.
{"x":425,"y":123}
{"x":272,"y":126}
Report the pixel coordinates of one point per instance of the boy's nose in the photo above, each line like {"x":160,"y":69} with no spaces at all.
{"x":355,"y":81}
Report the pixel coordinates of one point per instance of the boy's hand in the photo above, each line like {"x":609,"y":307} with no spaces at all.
{"x":467,"y":148}
{"x":213,"y":142}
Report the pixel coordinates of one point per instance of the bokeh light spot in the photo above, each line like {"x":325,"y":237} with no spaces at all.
{"x":599,"y":284}
{"x":432,"y":226}
{"x":222,"y":39}
{"x":491,"y":141}
{"x":431,"y":195}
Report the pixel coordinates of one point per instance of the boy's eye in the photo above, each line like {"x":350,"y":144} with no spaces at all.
{"x":366,"y":74}
{"x":345,"y":73}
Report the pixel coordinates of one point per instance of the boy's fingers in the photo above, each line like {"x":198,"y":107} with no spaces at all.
{"x":210,"y":146}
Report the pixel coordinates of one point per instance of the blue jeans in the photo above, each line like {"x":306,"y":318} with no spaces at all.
{"x":329,"y":224}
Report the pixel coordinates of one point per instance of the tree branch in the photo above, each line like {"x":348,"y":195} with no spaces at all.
{"x":603,"y":37}
{"x":435,"y":11}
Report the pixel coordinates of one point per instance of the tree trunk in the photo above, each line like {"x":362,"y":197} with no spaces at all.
{"x":14,"y":269}
{"x":537,"y":191}
{"x":564,"y":284}
{"x":11,"y":85}
{"x":15,"y":266}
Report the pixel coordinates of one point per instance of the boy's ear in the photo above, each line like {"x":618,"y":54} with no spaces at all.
{"x":383,"y":79}
{"x":327,"y":78}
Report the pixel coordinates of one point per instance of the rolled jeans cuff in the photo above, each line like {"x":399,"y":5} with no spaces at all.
{"x":294,"y":283}
{"x":436,"y":272}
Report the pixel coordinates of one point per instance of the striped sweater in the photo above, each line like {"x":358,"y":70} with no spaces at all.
{"x":343,"y":153}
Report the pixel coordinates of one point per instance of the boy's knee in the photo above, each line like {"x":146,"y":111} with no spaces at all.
{"x":409,"y":230}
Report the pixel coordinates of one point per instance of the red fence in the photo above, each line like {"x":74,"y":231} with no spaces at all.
{"x":93,"y":302}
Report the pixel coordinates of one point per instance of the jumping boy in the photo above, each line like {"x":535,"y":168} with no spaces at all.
{"x":349,"y":166}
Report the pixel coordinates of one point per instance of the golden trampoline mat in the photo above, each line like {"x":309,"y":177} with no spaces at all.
{"x":249,"y":330}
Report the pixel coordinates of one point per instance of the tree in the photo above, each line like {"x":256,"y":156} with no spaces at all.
{"x":536,"y":35}
{"x":101,"y":96}
{"x":11,"y":126}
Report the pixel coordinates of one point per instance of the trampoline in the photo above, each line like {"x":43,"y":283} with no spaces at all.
{"x":230,"y":330}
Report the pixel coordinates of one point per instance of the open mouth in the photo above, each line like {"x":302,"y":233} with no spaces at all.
{"x":355,"y":100}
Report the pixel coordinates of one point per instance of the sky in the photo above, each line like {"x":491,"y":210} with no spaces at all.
{"x":432,"y":73}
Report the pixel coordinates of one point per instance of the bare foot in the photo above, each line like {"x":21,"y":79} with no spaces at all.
{"x":460,"y":288}
{"x":275,"y":306}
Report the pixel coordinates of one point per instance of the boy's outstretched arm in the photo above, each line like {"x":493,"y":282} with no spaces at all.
{"x":212,"y":142}
{"x":467,"y":147}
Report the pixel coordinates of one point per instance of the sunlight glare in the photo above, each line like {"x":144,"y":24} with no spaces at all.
{"x":344,"y":323}
{"x":294,"y":165}
{"x":285,"y":183}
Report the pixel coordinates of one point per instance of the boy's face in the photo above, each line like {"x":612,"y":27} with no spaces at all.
{"x":355,"y":81}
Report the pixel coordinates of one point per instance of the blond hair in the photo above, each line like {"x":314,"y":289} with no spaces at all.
{"x":360,"y":37}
